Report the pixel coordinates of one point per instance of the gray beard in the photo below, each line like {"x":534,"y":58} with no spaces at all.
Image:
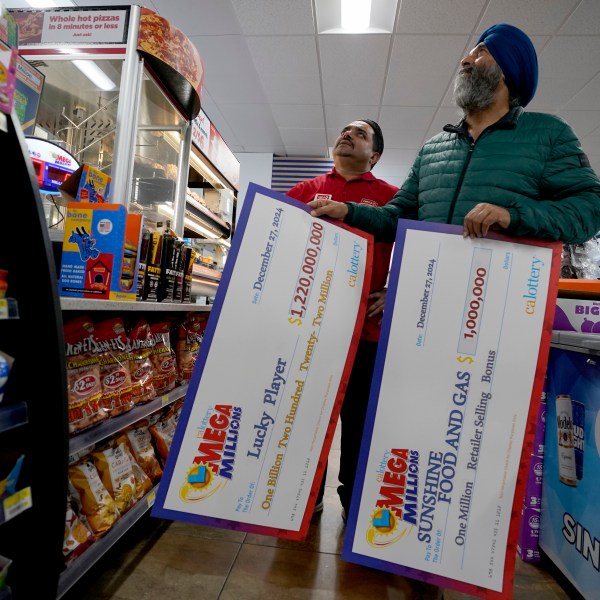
{"x":476,"y":91}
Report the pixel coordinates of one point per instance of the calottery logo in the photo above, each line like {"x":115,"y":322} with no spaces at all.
{"x":354,"y":264}
{"x":532,"y":285}
{"x":213,"y":466}
{"x":395,"y":512}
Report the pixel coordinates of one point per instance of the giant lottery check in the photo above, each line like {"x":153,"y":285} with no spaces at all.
{"x":459,"y":372}
{"x":252,"y":441}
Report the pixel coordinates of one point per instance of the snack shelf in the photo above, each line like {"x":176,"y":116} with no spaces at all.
{"x":107,"y":305}
{"x":83,"y":563}
{"x":13,"y":415}
{"x":99,"y":432}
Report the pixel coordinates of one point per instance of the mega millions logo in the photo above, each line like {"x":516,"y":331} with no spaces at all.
{"x":213,"y":465}
{"x":396,"y":510}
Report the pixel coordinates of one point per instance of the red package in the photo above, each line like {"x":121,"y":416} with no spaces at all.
{"x":112,"y":350}
{"x":140,"y":363}
{"x":84,"y":387}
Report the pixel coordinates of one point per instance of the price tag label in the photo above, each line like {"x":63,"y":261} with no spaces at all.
{"x":17,"y":503}
{"x":3,"y":308}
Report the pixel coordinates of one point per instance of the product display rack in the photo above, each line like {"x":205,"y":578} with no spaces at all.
{"x":141,"y":139}
{"x":87,"y":438}
{"x":34,"y":407}
{"x":33,"y":419}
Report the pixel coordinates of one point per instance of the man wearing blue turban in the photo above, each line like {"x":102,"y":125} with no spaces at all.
{"x":500,"y":167}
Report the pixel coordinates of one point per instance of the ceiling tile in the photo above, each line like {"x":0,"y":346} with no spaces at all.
{"x":338,"y":116}
{"x":587,"y":98}
{"x":298,"y":115}
{"x":210,"y":17}
{"x":265,"y":17}
{"x":227,"y":79}
{"x":353,"y":67}
{"x":290,"y":89}
{"x":553,"y":93}
{"x":584,"y":20}
{"x":403,"y":126}
{"x":284,"y":55}
{"x":534,"y":17}
{"x":439,"y":16}
{"x":253,"y":124}
{"x":566,"y":55}
{"x":303,"y":137}
{"x":428,"y":62}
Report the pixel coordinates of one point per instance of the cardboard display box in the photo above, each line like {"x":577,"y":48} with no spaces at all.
{"x":100,"y":252}
{"x":86,"y":184}
{"x":577,"y":314}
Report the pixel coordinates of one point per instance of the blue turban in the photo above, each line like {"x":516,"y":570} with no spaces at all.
{"x":513,"y":51}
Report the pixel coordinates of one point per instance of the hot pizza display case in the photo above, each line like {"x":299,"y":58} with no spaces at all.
{"x":137,"y":127}
{"x":122,"y":94}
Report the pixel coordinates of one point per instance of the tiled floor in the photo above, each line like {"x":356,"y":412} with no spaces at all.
{"x":162,"y":560}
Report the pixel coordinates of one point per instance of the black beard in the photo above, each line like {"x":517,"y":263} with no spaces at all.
{"x":475,"y":88}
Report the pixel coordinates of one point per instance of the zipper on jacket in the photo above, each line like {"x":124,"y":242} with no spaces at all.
{"x":509,"y":121}
{"x":460,"y":181}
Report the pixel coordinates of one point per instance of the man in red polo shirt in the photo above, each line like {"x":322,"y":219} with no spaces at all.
{"x":355,"y":152}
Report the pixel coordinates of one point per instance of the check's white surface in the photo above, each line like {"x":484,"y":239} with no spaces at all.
{"x":459,"y":368}
{"x":272,"y":370}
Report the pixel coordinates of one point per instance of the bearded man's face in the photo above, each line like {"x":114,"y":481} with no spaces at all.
{"x":475,"y":86}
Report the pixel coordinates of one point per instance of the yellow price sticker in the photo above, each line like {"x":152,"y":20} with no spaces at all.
{"x":17,"y":503}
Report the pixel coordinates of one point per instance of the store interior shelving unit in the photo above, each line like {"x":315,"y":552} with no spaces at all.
{"x":146,"y":147}
{"x":33,"y":413}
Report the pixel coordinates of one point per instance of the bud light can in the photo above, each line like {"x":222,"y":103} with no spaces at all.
{"x":578,"y":436}
{"x":566,"y":452}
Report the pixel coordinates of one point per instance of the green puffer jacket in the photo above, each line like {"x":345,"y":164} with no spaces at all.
{"x":530,"y":163}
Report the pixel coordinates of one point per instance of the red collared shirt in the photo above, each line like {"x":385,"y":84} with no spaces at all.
{"x":366,"y":189}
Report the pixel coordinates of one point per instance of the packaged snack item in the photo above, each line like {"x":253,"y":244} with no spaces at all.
{"x":83,"y":375}
{"x":3,"y":282}
{"x":78,"y":537}
{"x":112,"y":350}
{"x":140,"y":363}
{"x":163,"y":358}
{"x":139,"y":440}
{"x":96,"y":503}
{"x":163,"y":431}
{"x":143,"y":484}
{"x":114,"y":466}
{"x":189,"y":338}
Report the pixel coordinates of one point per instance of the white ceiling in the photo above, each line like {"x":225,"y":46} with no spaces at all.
{"x":272,"y":85}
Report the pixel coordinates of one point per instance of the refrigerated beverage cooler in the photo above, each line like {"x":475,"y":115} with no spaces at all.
{"x":570,"y":514}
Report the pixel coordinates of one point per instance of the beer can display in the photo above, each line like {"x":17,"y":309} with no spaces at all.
{"x":578,"y":436}
{"x":567,"y":471}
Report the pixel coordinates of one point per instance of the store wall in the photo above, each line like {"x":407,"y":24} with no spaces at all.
{"x":289,"y":170}
{"x":254,"y":168}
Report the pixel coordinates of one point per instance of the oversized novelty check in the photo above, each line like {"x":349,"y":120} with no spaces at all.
{"x":465,"y":341}
{"x":261,"y":410}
